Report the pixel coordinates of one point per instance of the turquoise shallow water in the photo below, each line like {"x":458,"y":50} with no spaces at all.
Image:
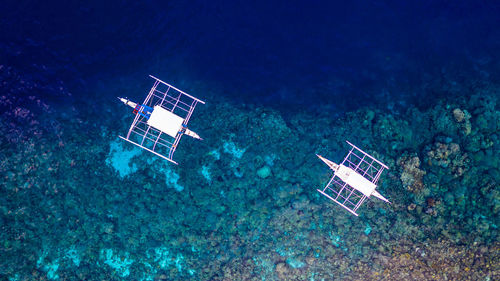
{"x":422,"y":96}
{"x":242,"y":204}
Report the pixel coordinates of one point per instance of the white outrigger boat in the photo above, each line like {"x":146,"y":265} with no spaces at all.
{"x":354,"y":180}
{"x":161,"y":120}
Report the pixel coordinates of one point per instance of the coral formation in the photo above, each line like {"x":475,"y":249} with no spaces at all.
{"x":411,"y":175}
{"x":463,"y":117}
{"x":449,"y":156}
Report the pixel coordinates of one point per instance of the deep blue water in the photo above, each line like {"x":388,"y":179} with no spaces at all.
{"x":416,"y":83}
{"x":276,"y":53}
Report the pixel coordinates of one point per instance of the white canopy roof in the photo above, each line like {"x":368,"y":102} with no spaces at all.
{"x":165,"y":121}
{"x":355,"y":180}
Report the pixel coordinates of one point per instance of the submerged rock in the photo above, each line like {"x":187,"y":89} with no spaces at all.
{"x":264,"y":172}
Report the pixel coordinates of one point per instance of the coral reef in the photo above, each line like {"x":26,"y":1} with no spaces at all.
{"x":243,"y":204}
